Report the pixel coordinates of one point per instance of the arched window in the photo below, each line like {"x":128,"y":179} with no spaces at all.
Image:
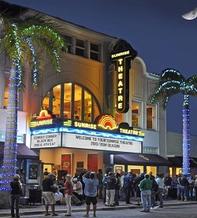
{"x":71,"y":101}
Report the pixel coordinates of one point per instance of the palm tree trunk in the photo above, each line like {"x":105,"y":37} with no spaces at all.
{"x":186,"y":136}
{"x":10,"y":145}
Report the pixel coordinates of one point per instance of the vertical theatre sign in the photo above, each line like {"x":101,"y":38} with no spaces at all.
{"x":121,"y":56}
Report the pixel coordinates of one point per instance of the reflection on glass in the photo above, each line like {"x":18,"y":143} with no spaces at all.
{"x":56,"y":100}
{"x":77,"y":102}
{"x":87,"y":106}
{"x":67,"y":100}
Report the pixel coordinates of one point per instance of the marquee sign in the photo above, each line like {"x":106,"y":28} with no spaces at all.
{"x":46,"y":140}
{"x":98,"y":142}
{"x":121,"y":56}
{"x":103,"y":122}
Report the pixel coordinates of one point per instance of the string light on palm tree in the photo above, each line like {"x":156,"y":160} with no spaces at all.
{"x":172,"y":82}
{"x":13,"y":42}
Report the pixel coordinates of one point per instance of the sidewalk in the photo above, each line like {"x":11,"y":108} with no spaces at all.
{"x":39,"y":209}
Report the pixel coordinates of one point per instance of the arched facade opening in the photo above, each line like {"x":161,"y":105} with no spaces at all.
{"x":71,"y":101}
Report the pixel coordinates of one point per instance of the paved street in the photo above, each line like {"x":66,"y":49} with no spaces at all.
{"x":184,"y":211}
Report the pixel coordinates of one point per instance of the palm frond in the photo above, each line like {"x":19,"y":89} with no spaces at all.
{"x":170,"y":83}
{"x":171,"y":74}
{"x":50,"y":39}
{"x":41,"y":31}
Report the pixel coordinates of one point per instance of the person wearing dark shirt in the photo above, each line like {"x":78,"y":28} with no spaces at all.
{"x":100,"y":187}
{"x":110,"y":189}
{"x":48,"y":194}
{"x":16,"y":192}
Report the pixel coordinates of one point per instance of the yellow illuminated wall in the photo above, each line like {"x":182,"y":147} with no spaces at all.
{"x":152,"y":169}
{"x":53,"y":156}
{"x":136,"y":169}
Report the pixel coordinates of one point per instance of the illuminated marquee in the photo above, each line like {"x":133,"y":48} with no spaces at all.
{"x":85,"y":125}
{"x":43,"y":115}
{"x":121,"y":55}
{"x":122,"y":68}
{"x":107,"y":122}
{"x":132,"y":132}
{"x":40,"y":123}
{"x":44,"y":118}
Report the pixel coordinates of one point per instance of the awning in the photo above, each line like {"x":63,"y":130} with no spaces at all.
{"x":141,"y":159}
{"x":23,"y":152}
{"x":177,"y":161}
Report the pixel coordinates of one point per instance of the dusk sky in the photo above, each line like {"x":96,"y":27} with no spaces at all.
{"x":154,"y":28}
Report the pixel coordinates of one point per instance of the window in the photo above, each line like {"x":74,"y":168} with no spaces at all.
{"x":67,"y":100}
{"x":87,"y":106}
{"x":77,"y":102}
{"x":68,"y":42}
{"x":151,"y":170}
{"x":150,"y":117}
{"x":70,"y":100}
{"x":136,"y":114}
{"x":80,"y":47}
{"x":56,"y":100}
{"x":94,"y":51}
{"x":45,"y":102}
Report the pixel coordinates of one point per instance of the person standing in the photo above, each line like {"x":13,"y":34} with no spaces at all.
{"x":100,"y":179}
{"x":160,"y":182}
{"x":145,"y":188}
{"x":48,"y":193}
{"x":154,"y":191}
{"x":78,"y":190}
{"x":117,"y":189}
{"x":110,"y":189}
{"x":16,"y":192}
{"x":128,"y":182}
{"x":90,"y":190}
{"x":68,"y":191}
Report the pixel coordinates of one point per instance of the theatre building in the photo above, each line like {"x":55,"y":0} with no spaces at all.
{"x":96,"y":113}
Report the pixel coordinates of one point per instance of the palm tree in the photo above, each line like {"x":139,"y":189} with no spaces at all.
{"x":20,"y":43}
{"x":172,"y":82}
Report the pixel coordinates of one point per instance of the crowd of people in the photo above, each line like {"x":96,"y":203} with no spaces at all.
{"x":85,"y":187}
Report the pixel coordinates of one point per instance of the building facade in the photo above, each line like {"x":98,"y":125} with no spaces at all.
{"x":94,"y":114}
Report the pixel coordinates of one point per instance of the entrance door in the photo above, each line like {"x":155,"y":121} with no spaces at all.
{"x":93,"y":162}
{"x":67,"y":163}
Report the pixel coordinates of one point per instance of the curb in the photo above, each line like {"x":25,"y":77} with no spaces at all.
{"x":63,"y":210}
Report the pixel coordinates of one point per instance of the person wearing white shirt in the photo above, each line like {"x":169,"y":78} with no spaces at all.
{"x":160,"y":182}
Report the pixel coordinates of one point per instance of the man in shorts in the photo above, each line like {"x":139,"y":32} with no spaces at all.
{"x":48,"y":194}
{"x":90,"y":190}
